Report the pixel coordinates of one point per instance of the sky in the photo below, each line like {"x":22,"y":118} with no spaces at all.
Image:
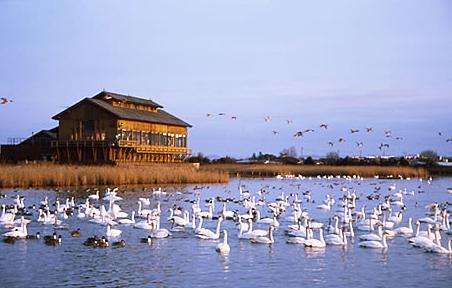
{"x":350,"y":64}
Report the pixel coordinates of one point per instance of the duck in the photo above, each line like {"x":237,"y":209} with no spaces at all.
{"x":119,"y":244}
{"x":103,"y":243}
{"x":36,"y":236}
{"x":10,"y":239}
{"x":53,"y":241}
{"x":224,"y":248}
{"x":75,"y":233}
{"x":265,"y":239}
{"x":374,"y":244}
{"x":146,"y":240}
{"x":92,"y":241}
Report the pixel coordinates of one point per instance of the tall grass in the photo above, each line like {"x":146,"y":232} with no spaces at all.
{"x":53,"y":175}
{"x":268,"y":170}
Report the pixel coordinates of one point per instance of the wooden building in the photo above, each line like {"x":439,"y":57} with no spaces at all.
{"x":115,"y":128}
{"x":35,"y":148}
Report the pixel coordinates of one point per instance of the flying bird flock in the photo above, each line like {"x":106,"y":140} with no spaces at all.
{"x":387,"y":134}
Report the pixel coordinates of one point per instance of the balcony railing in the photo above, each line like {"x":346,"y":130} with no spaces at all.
{"x":140,"y":148}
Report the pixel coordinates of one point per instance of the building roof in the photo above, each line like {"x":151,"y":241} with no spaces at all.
{"x":160,"y":116}
{"x":126,"y":98}
{"x":51,"y":134}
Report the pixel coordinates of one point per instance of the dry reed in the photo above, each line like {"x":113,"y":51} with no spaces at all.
{"x":266,"y":170}
{"x":53,"y":175}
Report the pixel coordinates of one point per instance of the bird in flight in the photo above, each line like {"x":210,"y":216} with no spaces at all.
{"x":308,"y":130}
{"x":4,"y":100}
{"x":341,"y":140}
{"x":399,"y":138}
{"x":382,"y":145}
{"x":360,"y":144}
{"x":267,"y":118}
{"x":354,"y":131}
{"x":209,"y":115}
{"x":369,"y":129}
{"x":324,"y":126}
{"x":234,"y":117}
{"x":449,"y":140}
{"x":298,"y":134}
{"x":289,"y":122}
{"x":221,"y":114}
{"x":388,"y":133}
{"x":275,"y":132}
{"x":331,"y":143}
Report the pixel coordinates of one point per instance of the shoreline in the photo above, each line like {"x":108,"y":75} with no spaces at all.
{"x":47,"y":175}
{"x":272,"y":170}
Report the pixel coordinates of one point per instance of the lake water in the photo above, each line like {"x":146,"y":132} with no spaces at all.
{"x":182,"y":260}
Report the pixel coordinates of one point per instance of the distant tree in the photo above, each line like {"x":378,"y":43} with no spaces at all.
{"x":225,"y":160}
{"x":429,"y":156}
{"x":309,"y":161}
{"x":289,"y":160}
{"x":332,"y":158}
{"x":200,"y":158}
{"x":289,"y":152}
{"x":403,"y":162}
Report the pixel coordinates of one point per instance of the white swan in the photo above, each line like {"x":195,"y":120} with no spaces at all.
{"x":315,"y":243}
{"x":112,"y":232}
{"x":223,"y":247}
{"x":207,"y":234}
{"x":159,"y":232}
{"x":405,"y":230}
{"x":374,"y":244}
{"x":128,"y":221}
{"x":342,"y":241}
{"x":265,"y":239}
{"x":372,"y":236}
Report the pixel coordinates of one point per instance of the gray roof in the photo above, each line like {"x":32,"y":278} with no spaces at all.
{"x":126,"y":98}
{"x":160,"y":116}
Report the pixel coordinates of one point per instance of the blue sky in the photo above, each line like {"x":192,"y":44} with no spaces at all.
{"x":351,"y":64}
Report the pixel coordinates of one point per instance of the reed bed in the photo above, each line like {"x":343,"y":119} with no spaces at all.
{"x":53,"y":175}
{"x":270,"y":170}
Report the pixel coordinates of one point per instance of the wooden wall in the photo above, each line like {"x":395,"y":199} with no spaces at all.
{"x":71,"y":125}
{"x":148,"y":127}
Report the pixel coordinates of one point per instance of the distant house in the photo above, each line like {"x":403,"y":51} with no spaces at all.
{"x":115,"y":128}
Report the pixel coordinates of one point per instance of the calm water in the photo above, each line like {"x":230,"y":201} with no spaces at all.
{"x":183,"y":260}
